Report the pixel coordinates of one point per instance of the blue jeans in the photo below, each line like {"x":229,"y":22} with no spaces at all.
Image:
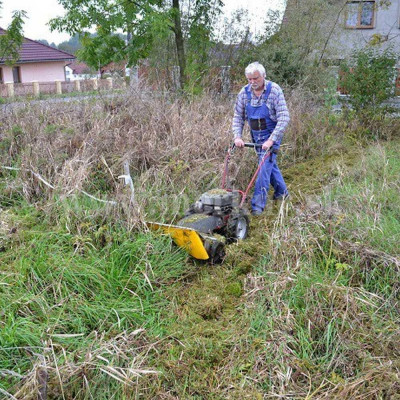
{"x":269,"y":174}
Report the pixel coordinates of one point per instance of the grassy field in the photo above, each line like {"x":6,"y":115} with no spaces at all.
{"x":93,"y":306}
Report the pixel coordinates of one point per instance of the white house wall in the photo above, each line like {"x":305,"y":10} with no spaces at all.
{"x":345,"y":40}
{"x":41,"y":72}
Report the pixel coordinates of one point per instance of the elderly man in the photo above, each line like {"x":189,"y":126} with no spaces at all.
{"x":263,"y":105}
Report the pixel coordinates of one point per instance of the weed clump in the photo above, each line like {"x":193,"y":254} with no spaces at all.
{"x":210,"y":307}
{"x":234,"y":289}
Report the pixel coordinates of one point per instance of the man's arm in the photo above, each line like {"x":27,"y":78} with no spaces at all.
{"x":282,"y":115}
{"x":239,"y":115}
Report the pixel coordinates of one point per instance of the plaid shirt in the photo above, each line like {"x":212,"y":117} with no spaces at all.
{"x":276,"y":104}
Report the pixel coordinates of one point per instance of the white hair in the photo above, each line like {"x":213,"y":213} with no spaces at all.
{"x":254,"y":67}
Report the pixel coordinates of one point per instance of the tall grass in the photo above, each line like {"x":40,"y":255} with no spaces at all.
{"x":81,"y":304}
{"x":372,"y":214}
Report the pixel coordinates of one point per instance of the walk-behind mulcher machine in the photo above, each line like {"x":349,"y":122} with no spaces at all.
{"x":216,"y":218}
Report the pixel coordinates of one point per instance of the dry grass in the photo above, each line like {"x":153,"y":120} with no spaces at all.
{"x":170,"y":143}
{"x":52,"y":376}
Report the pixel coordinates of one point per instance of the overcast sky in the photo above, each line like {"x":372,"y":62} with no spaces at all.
{"x":41,"y":11}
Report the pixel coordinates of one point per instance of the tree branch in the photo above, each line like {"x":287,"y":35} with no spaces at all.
{"x":331,"y":32}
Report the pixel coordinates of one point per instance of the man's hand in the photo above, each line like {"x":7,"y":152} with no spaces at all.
{"x":239,"y":142}
{"x":267,"y":144}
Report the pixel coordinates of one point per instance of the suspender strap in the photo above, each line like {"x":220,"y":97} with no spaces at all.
{"x":248,"y":93}
{"x":268,"y":91}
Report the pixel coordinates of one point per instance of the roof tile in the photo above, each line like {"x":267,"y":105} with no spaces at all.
{"x":32,"y":51}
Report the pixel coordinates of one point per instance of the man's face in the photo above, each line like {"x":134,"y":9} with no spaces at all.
{"x":256,"y":80}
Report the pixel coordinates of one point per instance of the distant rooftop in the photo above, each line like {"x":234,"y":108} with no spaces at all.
{"x":32,"y":51}
{"x":79,"y":68}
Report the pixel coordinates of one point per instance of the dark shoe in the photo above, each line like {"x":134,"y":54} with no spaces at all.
{"x":256,"y":213}
{"x":282,"y":197}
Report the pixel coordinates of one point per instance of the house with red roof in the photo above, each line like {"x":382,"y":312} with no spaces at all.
{"x":36,"y":62}
{"x":113,"y":68}
{"x":79,"y":71}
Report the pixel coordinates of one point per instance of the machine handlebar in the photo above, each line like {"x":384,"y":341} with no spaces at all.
{"x":253,"y":145}
{"x":256,"y":146}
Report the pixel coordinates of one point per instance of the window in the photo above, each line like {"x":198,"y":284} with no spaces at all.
{"x":16,"y":74}
{"x":1,"y":76}
{"x":360,"y":14}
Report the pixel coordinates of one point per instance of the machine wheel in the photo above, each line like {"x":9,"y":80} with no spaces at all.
{"x":239,"y":228}
{"x":215,"y":249}
{"x":217,"y":253}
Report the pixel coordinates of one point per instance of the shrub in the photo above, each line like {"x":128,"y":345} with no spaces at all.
{"x":369,"y":79}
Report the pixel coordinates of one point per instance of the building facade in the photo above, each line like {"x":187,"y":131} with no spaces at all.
{"x":36,"y":62}
{"x":351,"y":24}
{"x":369,"y":23}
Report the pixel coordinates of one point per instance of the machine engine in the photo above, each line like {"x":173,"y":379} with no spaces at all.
{"x":218,"y":212}
{"x":217,"y":202}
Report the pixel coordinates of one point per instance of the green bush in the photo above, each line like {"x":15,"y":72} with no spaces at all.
{"x":368,"y":77}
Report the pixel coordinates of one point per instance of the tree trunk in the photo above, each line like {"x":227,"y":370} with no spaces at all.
{"x":180,"y":49}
